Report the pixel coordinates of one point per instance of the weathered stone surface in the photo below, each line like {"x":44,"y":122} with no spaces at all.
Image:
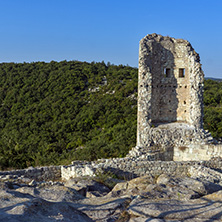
{"x":184,"y":188}
{"x":28,"y":190}
{"x":216,"y":196}
{"x":79,"y":169}
{"x":163,"y":198}
{"x":87,"y":187}
{"x":56,"y":203}
{"x":58,"y":193}
{"x":170,"y":102}
{"x":163,"y":179}
{"x":80,"y":189}
{"x":151,"y":219}
{"x":103,"y":208}
{"x":170,"y":86}
{"x":142,"y":219}
{"x":37,"y":173}
{"x":55,"y":193}
{"x":33,"y":183}
{"x":141,"y":182}
{"x":176,"y":210}
{"x":41,"y":210}
{"x":120,"y":186}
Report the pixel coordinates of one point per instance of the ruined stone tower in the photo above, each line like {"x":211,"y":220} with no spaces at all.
{"x":170,"y":95}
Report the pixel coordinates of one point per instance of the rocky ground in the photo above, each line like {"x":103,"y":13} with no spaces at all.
{"x":194,"y":197}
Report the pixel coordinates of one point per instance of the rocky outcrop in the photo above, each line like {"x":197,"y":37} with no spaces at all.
{"x":176,"y":210}
{"x":194,"y":196}
{"x":27,"y":208}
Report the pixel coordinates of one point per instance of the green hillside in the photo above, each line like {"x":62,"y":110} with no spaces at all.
{"x":52,"y":113}
{"x":213,"y":107}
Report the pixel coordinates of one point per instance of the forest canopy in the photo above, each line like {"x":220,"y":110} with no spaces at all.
{"x":53,"y":113}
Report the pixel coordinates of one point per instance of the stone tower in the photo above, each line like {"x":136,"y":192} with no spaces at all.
{"x":170,"y":95}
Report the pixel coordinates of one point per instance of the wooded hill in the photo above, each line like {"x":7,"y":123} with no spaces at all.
{"x":53,"y":113}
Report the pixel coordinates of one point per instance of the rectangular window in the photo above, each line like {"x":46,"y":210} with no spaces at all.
{"x":167,"y":72}
{"x":181,"y":73}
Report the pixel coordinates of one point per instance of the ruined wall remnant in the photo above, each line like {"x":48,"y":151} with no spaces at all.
{"x":170,"y":94}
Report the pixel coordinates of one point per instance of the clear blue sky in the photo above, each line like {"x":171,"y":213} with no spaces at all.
{"x":109,"y":30}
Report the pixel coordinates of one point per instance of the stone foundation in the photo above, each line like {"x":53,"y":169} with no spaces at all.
{"x":128,"y":168}
{"x":125,"y":168}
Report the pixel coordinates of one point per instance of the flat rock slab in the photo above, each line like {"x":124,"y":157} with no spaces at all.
{"x":102,"y":208}
{"x":151,"y":219}
{"x":36,"y":210}
{"x":192,"y":210}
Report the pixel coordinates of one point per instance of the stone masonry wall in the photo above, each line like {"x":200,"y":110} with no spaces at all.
{"x":197,"y":152}
{"x":38,"y":173}
{"x":170,"y":95}
{"x":129,"y":168}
